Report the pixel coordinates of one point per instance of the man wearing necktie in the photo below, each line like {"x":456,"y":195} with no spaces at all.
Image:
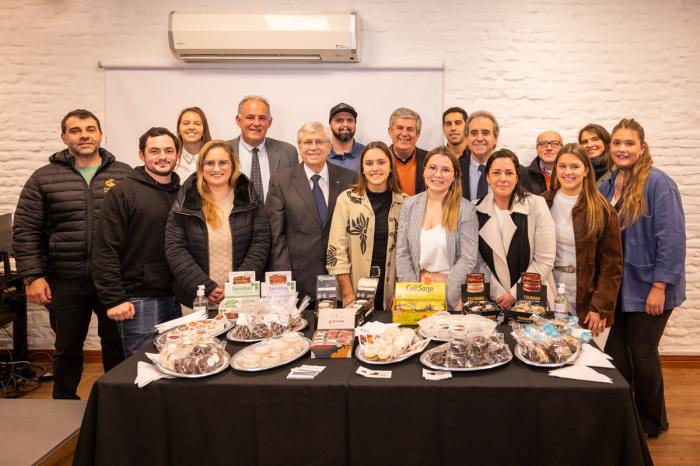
{"x":259,"y":156}
{"x":482,"y":136}
{"x":300,"y":205}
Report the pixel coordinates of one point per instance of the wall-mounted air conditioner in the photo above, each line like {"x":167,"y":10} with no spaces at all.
{"x":328,"y":37}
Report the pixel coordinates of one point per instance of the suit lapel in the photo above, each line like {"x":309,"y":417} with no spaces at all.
{"x":273,"y":156}
{"x":333,"y":189}
{"x":301,"y":185}
{"x":491,"y":234}
{"x":415,"y":227}
{"x":508,"y":232}
{"x":466,"y":189}
{"x":234,"y":146}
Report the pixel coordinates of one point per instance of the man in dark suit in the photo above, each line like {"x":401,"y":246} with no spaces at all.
{"x":300,"y":207}
{"x":404,"y":131}
{"x":482,"y":136}
{"x":259,"y":156}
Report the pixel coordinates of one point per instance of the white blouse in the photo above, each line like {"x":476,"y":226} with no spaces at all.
{"x":564,"y":228}
{"x":187,"y":165}
{"x":433,"y":250}
{"x":501,"y":216}
{"x":566,"y":244}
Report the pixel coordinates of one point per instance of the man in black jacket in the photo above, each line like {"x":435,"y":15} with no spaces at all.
{"x":52,"y":239}
{"x":539,"y":172}
{"x":132,"y":277}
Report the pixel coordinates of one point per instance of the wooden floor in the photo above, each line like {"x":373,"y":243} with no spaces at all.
{"x":679,"y":446}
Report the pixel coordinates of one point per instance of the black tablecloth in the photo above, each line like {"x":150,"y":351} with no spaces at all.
{"x":512,"y":415}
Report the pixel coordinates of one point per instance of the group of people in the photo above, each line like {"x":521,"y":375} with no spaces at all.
{"x":134,"y":245}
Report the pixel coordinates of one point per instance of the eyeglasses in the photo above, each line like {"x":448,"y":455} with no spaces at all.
{"x":311,"y":142}
{"x":554,"y":144}
{"x":432,"y":169}
{"x":210,"y":164}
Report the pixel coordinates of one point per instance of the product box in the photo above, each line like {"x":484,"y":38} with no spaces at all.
{"x":240,"y":277}
{"x":268,"y":290}
{"x":278,"y":284}
{"x":242,"y":285}
{"x":414,"y":301}
{"x":531,"y":298}
{"x":476,"y":297}
{"x":326,"y":288}
{"x":332,"y":344}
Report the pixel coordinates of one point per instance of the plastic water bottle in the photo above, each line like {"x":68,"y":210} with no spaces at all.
{"x":200,"y":302}
{"x":561,"y":303}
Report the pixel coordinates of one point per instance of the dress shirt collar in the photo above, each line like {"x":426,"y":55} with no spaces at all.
{"x":323,"y":173}
{"x":344,"y":155}
{"x":249,"y":148}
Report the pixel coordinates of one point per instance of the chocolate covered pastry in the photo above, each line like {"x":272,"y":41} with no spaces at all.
{"x":198,"y":359}
{"x":242,"y":332}
{"x":261,"y":330}
{"x":277,"y":329}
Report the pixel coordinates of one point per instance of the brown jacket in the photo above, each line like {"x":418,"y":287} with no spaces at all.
{"x":598,"y":264}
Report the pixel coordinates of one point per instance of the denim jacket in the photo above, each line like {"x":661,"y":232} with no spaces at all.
{"x":654,"y":246}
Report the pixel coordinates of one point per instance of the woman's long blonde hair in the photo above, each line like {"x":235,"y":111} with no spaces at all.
{"x":633,"y":204}
{"x":212,"y":213}
{"x":590,"y":200}
{"x":451,"y":202}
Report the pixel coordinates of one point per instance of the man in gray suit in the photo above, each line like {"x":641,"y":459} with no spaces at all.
{"x":259,"y":156}
{"x":300,"y":208}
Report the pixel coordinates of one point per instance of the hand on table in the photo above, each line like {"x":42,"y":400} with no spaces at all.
{"x":348,"y":298}
{"x":505,"y":301}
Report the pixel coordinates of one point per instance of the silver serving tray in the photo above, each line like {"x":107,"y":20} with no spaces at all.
{"x":424,"y":359}
{"x":403,"y":357}
{"x":223,"y":367}
{"x":160,"y":340}
{"x":554,"y":365}
{"x":301,"y":326}
{"x":235,"y":364}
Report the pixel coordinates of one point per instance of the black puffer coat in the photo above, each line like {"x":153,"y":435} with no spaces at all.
{"x":187,"y":241}
{"x":56,"y":216}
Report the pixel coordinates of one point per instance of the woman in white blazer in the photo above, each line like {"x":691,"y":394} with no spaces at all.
{"x":438,"y":229}
{"x":516,"y":231}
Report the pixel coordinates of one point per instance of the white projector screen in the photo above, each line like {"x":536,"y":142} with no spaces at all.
{"x":138,"y":98}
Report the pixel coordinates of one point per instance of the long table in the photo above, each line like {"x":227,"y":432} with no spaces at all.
{"x":512,"y":415}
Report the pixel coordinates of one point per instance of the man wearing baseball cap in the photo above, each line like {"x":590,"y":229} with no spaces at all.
{"x":345,"y":151}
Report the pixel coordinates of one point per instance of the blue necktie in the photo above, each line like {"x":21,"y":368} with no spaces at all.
{"x":482,"y":189}
{"x":319,"y":198}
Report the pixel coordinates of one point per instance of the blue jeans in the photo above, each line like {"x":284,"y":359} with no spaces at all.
{"x":148,"y":312}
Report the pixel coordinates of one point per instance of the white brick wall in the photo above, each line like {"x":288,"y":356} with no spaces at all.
{"x":536,"y":65}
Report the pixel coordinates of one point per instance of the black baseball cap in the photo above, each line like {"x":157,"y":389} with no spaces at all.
{"x":341,"y":107}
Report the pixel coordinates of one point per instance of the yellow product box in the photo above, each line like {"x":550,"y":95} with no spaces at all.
{"x":416,"y":301}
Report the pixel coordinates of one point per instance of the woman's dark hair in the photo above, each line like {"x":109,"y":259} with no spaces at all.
{"x":206,"y":135}
{"x":518,"y":191}
{"x":604,"y":136}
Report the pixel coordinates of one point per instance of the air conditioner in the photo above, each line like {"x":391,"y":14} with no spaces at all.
{"x":324,"y":37}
